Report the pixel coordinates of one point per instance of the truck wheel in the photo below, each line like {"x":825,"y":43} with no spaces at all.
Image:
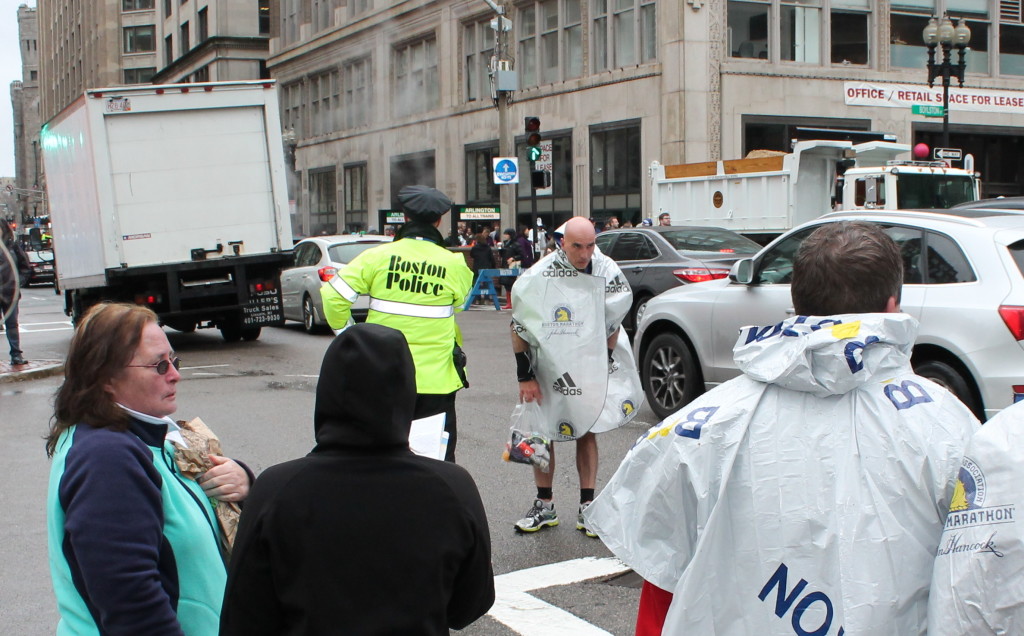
{"x":184,"y":326}
{"x":309,"y":322}
{"x":231,"y":331}
{"x":251,"y":333}
{"x":950,"y":379}
{"x":671,"y":375}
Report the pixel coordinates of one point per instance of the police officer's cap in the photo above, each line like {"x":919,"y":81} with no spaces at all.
{"x":423,"y":202}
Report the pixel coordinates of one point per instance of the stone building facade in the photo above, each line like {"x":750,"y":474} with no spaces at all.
{"x":376,"y":95}
{"x":25,"y":199}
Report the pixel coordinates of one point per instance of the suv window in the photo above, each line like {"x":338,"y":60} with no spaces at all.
{"x":345,"y":252}
{"x":910,"y":241}
{"x":307,"y":254}
{"x":776,"y":268}
{"x":1017,"y":252}
{"x":946,"y":262}
{"x":604,"y":242}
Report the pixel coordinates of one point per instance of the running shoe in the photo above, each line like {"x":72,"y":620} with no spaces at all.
{"x":540,"y":515}
{"x":581,"y":526}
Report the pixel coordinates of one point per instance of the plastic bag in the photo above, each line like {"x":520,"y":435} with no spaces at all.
{"x":525,"y":446}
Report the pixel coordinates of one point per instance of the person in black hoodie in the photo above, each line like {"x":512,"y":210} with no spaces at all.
{"x":361,"y":536}
{"x":13,"y":269}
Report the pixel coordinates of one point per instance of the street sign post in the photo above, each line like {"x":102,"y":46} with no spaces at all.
{"x":948,"y":154}
{"x":927,"y":110}
{"x":505,"y":169}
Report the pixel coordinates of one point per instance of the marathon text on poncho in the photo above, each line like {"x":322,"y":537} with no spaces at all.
{"x":979,"y":516}
{"x":421,"y":277}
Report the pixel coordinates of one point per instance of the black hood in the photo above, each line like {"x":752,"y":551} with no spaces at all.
{"x":367,"y":390}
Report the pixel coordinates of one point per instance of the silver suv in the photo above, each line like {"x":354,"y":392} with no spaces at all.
{"x":962,"y":281}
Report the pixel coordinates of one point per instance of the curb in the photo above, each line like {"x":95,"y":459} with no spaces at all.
{"x":45,"y":370}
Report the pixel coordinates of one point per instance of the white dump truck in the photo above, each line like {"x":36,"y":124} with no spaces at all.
{"x":762,"y":197}
{"x":173,"y":197}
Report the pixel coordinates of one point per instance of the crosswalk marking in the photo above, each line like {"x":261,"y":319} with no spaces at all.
{"x":528,"y":615}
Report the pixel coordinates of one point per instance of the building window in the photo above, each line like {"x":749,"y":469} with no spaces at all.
{"x":136,"y":5}
{"x":1011,"y":49}
{"x":139,"y":75}
{"x":167,"y":8}
{"x":323,"y":14}
{"x":291,"y":11}
{"x":202,"y":74}
{"x":765,"y":132}
{"x":139,"y":39}
{"x":550,"y":42}
{"x":204,"y":25}
{"x":33,"y":75}
{"x":748,"y":29}
{"x":907,"y":20}
{"x":849,"y":23}
{"x":415,"y":80}
{"x":324,"y":103}
{"x":184,"y":43}
{"x":480,"y":186}
{"x":356,"y":80}
{"x":615,"y":172}
{"x":169,"y":48}
{"x":624,"y":33}
{"x":291,"y":112}
{"x":478,"y":46}
{"x":264,"y":16}
{"x":357,"y":7}
{"x":323,"y":201}
{"x":800,"y":36}
{"x":355,"y":198}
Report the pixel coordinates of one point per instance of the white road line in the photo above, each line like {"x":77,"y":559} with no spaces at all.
{"x":300,"y":375}
{"x":205,"y":366}
{"x":23,"y":329}
{"x":528,"y":615}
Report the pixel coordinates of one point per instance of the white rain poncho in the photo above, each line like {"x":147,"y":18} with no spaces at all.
{"x":978,"y":583}
{"x":567,"y":316}
{"x":806,"y":496}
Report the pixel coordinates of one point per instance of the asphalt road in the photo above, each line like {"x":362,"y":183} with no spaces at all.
{"x":258,"y":397}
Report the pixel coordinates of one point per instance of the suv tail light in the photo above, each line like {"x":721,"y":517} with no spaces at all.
{"x":700,"y":274}
{"x":1013,"y":316}
{"x":327,"y":273}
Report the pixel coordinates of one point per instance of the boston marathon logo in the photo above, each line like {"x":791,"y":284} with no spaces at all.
{"x":968,"y":505}
{"x":564,"y":385}
{"x":627,"y":407}
{"x":420,"y":277}
{"x":566,"y":431}
{"x":562,"y":323}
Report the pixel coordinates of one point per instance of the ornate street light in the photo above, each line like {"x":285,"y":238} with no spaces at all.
{"x":949,"y":37}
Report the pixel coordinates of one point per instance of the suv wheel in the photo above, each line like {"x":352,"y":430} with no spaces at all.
{"x":950,"y":379}
{"x":671,"y":376}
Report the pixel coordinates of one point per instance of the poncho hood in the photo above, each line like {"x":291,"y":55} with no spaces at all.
{"x":825,"y":355}
{"x":367,"y":390}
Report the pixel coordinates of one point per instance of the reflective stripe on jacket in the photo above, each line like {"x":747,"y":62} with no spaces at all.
{"x":415,"y":286}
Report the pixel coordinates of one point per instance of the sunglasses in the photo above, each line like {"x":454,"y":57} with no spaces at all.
{"x":161,"y":367}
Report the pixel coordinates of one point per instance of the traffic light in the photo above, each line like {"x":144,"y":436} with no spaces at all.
{"x":532,"y":125}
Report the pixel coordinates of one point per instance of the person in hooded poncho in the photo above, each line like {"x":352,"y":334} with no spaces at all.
{"x":361,"y":536}
{"x":415,"y":285}
{"x":808,"y":495}
{"x":573,"y":359}
{"x":977,"y":585}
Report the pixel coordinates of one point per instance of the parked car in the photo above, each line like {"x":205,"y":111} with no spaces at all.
{"x":317,"y":259}
{"x":656,"y":259}
{"x":1000,"y":203}
{"x":962,"y":281}
{"x":41,"y":262}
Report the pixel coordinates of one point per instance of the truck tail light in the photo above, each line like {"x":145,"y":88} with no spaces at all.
{"x":148,"y":299}
{"x":262,"y":286}
{"x":1013,"y":316}
{"x":327,"y":273}
{"x":699,"y":274}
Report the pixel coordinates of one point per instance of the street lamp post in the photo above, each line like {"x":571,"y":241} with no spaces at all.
{"x":948,"y":36}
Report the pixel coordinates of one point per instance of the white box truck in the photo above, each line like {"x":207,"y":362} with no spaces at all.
{"x":765,"y":196}
{"x":173,"y":197}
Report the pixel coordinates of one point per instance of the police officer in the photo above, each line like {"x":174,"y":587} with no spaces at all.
{"x":415,"y":285}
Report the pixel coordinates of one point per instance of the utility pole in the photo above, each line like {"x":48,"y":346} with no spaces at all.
{"x":503,"y":83}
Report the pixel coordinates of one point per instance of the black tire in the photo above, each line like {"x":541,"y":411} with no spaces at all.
{"x":184,"y":326}
{"x":309,"y":322}
{"x":231,"y":331}
{"x":949,"y":378}
{"x":671,"y":375}
{"x":251,"y":333}
{"x":636,"y":312}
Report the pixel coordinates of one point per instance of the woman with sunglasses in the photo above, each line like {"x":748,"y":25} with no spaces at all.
{"x":135,"y":547}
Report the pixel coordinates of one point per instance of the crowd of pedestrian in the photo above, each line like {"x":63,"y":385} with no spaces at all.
{"x":828,"y":489}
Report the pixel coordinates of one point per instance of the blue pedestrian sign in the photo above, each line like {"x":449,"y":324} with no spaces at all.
{"x":506,"y":170}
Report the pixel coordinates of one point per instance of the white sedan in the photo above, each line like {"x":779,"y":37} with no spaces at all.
{"x":317,"y":259}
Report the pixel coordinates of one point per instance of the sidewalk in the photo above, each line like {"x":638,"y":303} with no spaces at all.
{"x":33,"y":370}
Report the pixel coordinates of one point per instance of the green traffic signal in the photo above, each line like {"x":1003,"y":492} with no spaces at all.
{"x":533,"y":152}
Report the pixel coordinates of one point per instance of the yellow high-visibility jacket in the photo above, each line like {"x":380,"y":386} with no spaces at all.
{"x":415,"y":286}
